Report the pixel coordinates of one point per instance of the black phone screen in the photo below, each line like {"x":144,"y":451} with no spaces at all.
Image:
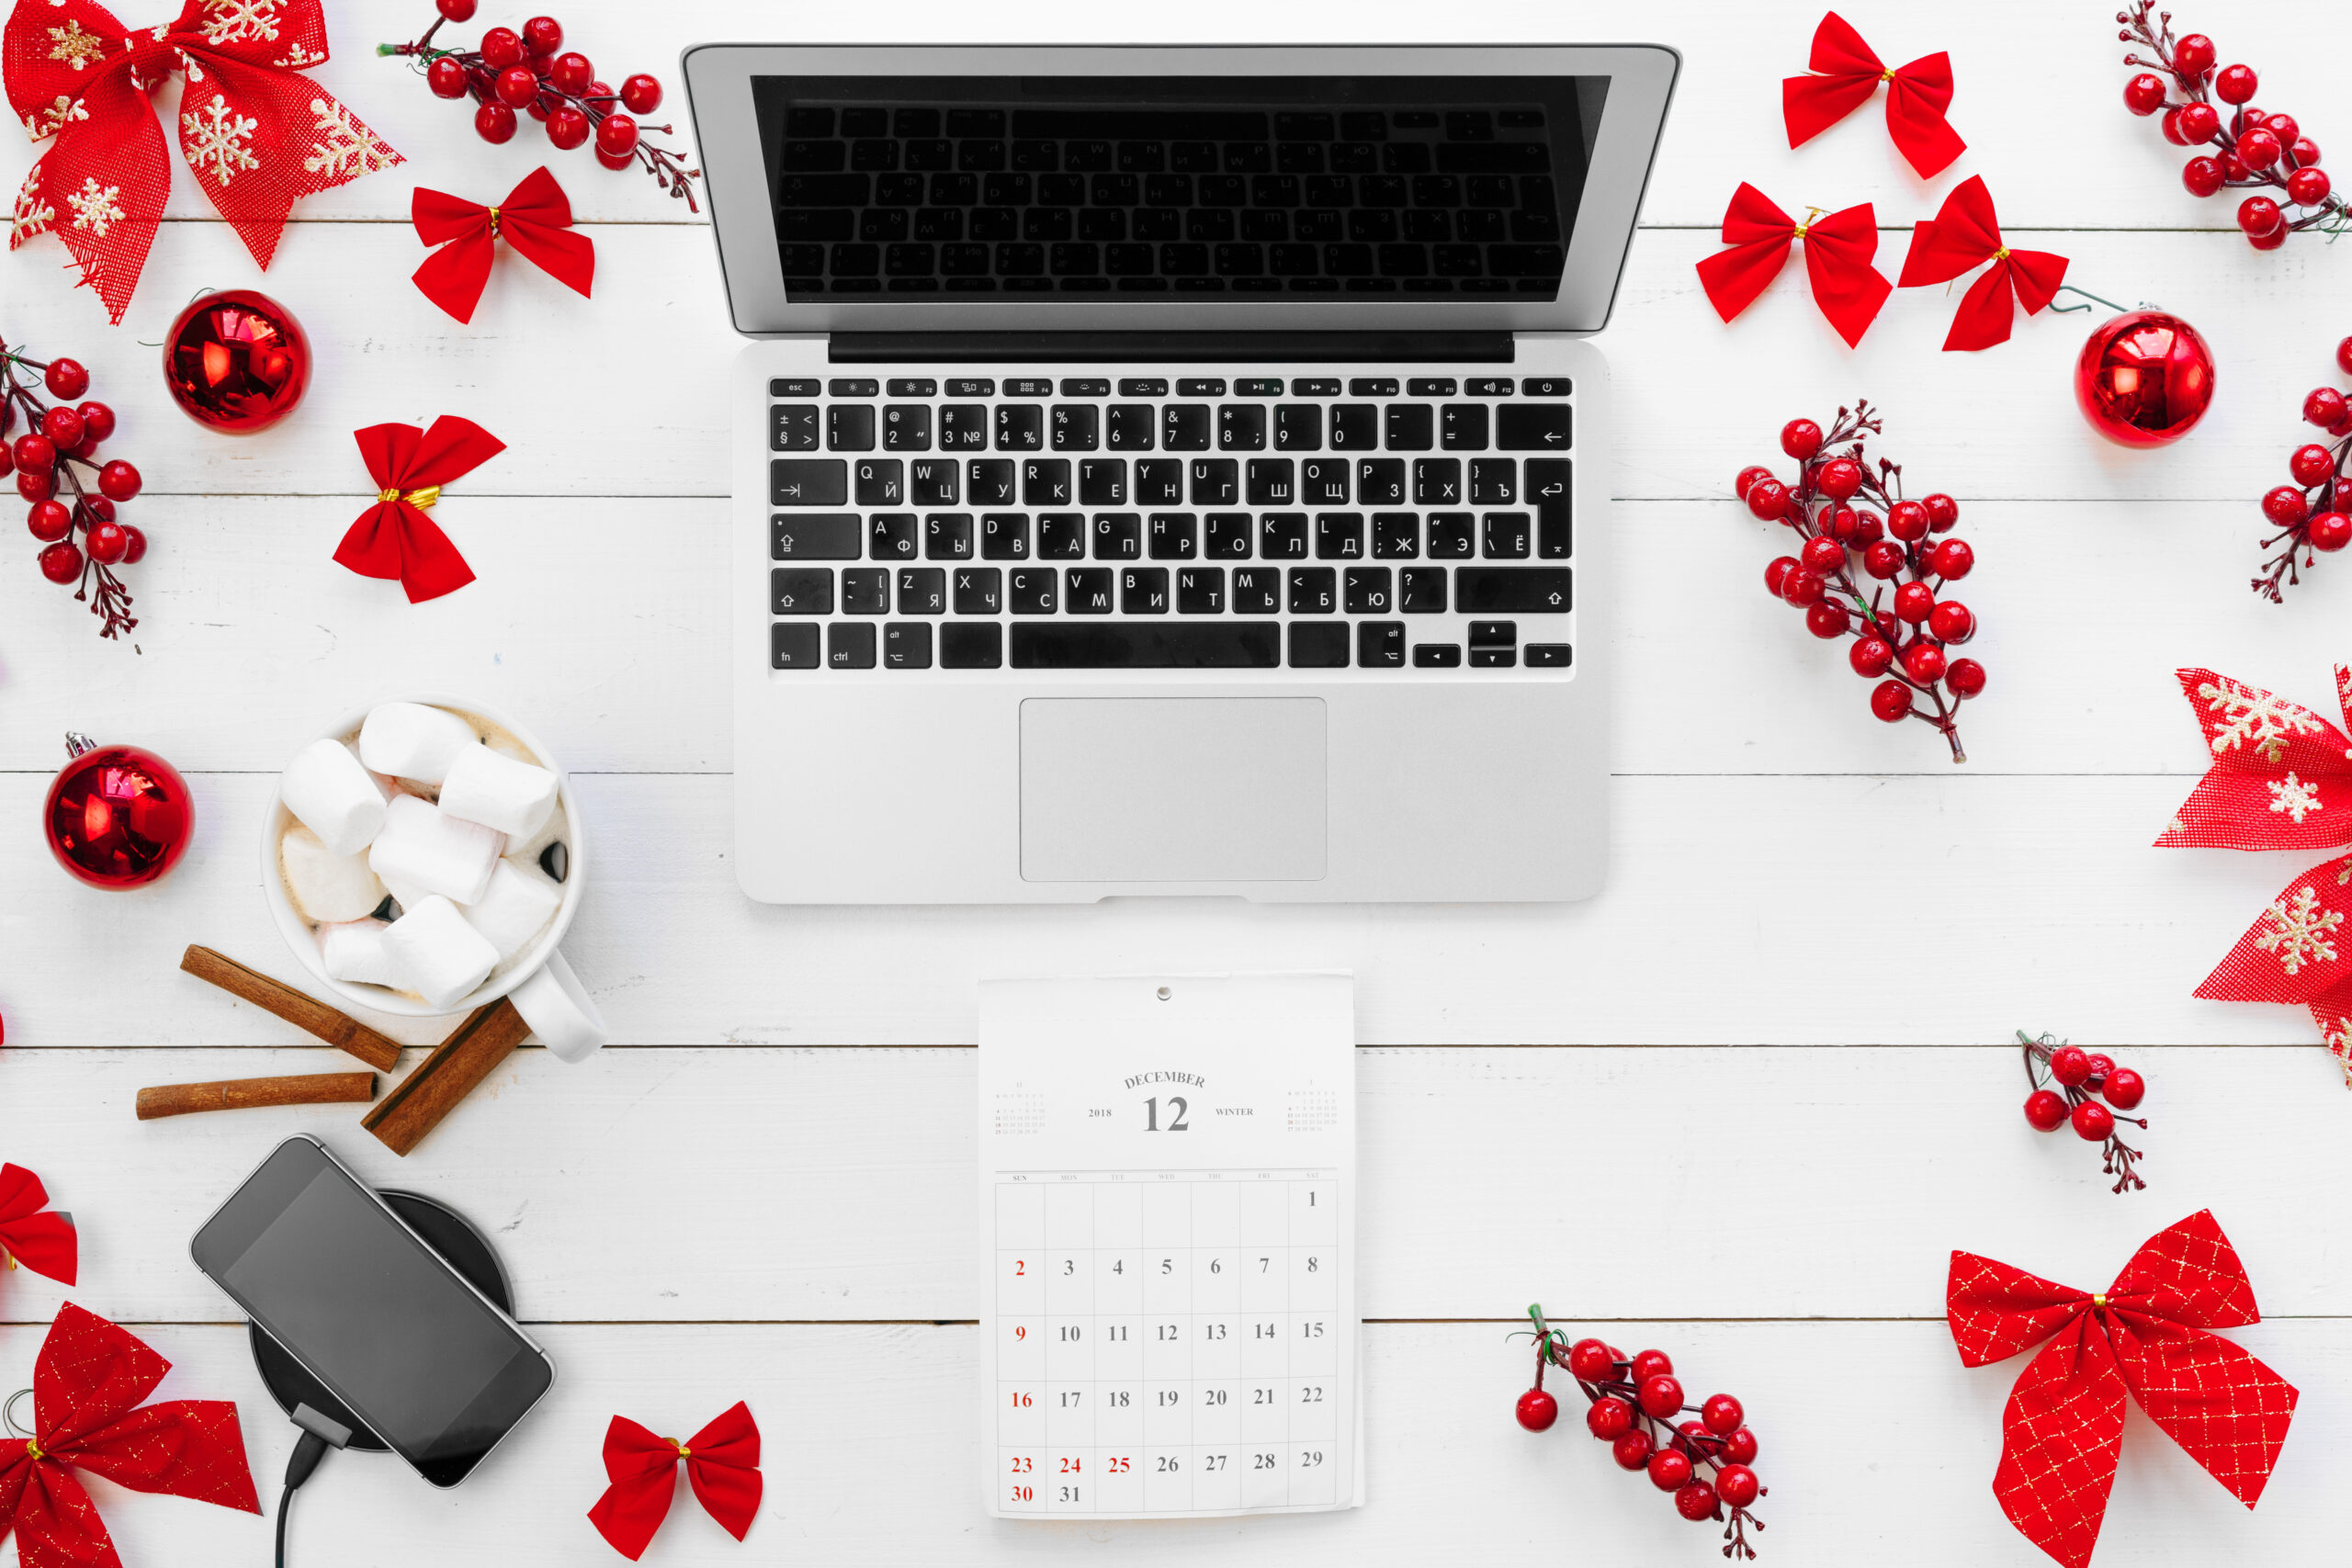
{"x":331,"y":1274}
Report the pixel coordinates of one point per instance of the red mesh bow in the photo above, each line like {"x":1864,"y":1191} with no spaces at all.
{"x":1962,"y":233}
{"x":88,"y":1385}
{"x":44,"y":1242}
{"x":256,"y":135}
{"x":2280,"y":779}
{"x":2146,"y":1336}
{"x":394,"y":537}
{"x":1916,"y":96}
{"x":535,"y":217}
{"x":1838,"y":252}
{"x":722,"y":1465}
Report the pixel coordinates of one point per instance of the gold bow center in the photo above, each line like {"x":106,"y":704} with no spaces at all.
{"x":2098,"y":1302}
{"x":1887,"y":75}
{"x":32,"y":1447}
{"x":2001,"y":254}
{"x":684,"y":1451}
{"x":421,"y":500}
{"x":1799,"y":232}
{"x":493,"y":220}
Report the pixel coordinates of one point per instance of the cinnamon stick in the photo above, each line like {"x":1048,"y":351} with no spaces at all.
{"x":418,"y":1104}
{"x":305,"y":1013}
{"x":246,"y":1094}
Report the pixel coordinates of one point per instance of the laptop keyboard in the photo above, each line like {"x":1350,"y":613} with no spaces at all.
{"x":1224,"y":521}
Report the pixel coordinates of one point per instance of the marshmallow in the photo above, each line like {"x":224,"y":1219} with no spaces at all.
{"x":407,"y":895}
{"x":356,"y":951}
{"x":498,"y":792}
{"x":441,"y":958}
{"x":329,"y":793}
{"x":325,"y":885}
{"x":515,"y":909}
{"x":530,"y":850}
{"x":410,"y":740}
{"x":426,"y":847}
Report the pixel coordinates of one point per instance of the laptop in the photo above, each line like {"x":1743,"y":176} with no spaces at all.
{"x":1172,"y":470}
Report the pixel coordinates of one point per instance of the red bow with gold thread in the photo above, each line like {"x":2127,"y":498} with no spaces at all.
{"x":43,"y":1242}
{"x":2280,"y":779}
{"x":1962,"y":233}
{"x":1838,"y":252}
{"x":394,"y":537}
{"x":1916,"y":96}
{"x":2145,"y":1337}
{"x":536,"y":218}
{"x":256,"y":135}
{"x":87,"y":1384}
{"x":722,"y":1466}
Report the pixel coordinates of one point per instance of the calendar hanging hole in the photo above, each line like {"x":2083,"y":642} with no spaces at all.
{"x":1165,"y":993}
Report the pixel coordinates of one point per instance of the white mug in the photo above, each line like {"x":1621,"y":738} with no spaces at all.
{"x":542,"y":986}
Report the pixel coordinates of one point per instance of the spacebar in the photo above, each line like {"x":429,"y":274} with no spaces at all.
{"x":1131,"y":644}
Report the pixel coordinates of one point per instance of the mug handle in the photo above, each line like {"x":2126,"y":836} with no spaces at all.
{"x":556,"y":1006}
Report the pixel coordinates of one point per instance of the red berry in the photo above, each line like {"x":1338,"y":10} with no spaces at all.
{"x":516,"y":87}
{"x":135,"y":545}
{"x":1754,"y":471}
{"x":50,"y":521}
{"x":1839,"y":478}
{"x":63,"y":428}
{"x":1590,"y":1359}
{"x":2235,"y":85}
{"x":542,"y":35}
{"x":1907,"y":520}
{"x":1777,"y":573}
{"x":1915,"y":602}
{"x":1538,"y":1410}
{"x":2259,"y":150}
{"x":616,"y":137}
{"x":94,"y":509}
{"x":97,"y":421}
{"x":446,"y":78}
{"x":1740,"y":1446}
{"x":1924,"y":663}
{"x":2283,"y":126}
{"x":1869,"y":529}
{"x":2285,"y":506}
{"x":2145,"y":94}
{"x":1632,"y":1452}
{"x":2324,"y":406}
{"x":1736,"y":1485}
{"x":62,"y":562}
{"x":66,"y":379}
{"x":1951,"y":621}
{"x":2197,"y":122}
{"x":641,"y":94}
{"x":2230,"y":168}
{"x":1648,"y":1364}
{"x":1952,"y":559}
{"x":2201,"y":175}
{"x":1661,"y":1396}
{"x":1768,"y":499}
{"x":1828,"y":619}
{"x":2045,"y":1108}
{"x":7,"y":459}
{"x":1822,"y":554}
{"x":1890,"y":700}
{"x":2305,"y":152}
{"x":1721,"y":1414}
{"x":119,"y":480}
{"x":1965,"y":678}
{"x":2092,"y":1121}
{"x":2308,"y":187}
{"x":1883,"y":560}
{"x":2259,"y":215}
{"x":2330,"y":531}
{"x":540,"y":64}
{"x":36,"y":484}
{"x":2270,"y":241}
{"x":567,"y":128}
{"x":2101,"y":1065}
{"x":1843,"y":523}
{"x":1608,"y":1418}
{"x":1695,"y":1502}
{"x":1801,"y":438}
{"x":1871,"y":655}
{"x":108,"y":543}
{"x":571,"y":73}
{"x":2124,"y":1089}
{"x":2170,"y":126}
{"x":2193,"y":56}
{"x":2311,"y":464}
{"x":502,"y":47}
{"x":1804,"y":587}
{"x":2070,"y":1064}
{"x":1669,"y":1470}
{"x":34,"y":453}
{"x":458,"y":10}
{"x":494,"y":122}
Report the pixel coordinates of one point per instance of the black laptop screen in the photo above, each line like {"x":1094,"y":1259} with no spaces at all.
{"x":927,"y":189}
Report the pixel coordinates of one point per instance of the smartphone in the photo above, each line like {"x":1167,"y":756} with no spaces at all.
{"x":330,"y":1272}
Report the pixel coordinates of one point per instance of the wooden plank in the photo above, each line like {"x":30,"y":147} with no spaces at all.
{"x":758,"y":1183}
{"x":868,"y":1438}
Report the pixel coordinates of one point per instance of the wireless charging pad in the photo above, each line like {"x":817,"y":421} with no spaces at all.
{"x":460,"y":1245}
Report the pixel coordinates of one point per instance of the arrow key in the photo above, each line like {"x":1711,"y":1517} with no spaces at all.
{"x":1531,"y":427}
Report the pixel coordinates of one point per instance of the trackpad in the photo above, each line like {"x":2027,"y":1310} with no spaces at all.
{"x":1173,"y":789}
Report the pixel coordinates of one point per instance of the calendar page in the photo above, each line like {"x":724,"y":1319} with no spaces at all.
{"x":1168,"y":1215}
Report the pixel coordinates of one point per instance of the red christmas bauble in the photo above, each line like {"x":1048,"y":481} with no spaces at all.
{"x":116,"y":816}
{"x":2144,"y":378}
{"x":237,"y":362}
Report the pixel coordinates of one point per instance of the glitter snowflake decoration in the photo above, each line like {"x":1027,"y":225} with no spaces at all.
{"x":240,"y":21}
{"x":95,"y":207}
{"x":2294,"y":797}
{"x":33,"y":215}
{"x":214,"y":139}
{"x":2262,"y":720}
{"x":2300,"y":931}
{"x":345,"y":149}
{"x":43,"y":123}
{"x":74,"y":46}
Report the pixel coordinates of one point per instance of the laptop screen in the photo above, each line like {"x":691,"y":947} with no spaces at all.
{"x":1226,"y":188}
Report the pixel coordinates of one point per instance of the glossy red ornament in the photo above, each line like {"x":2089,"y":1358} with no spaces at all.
{"x":116,"y":816}
{"x":236,"y":362}
{"x":2144,"y":378}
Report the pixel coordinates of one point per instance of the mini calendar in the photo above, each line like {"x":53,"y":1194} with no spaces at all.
{"x":1167,"y":1219}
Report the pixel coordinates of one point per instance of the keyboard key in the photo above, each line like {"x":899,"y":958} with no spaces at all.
{"x":1488,"y":387}
{"x":1020,"y":427}
{"x":891,"y":536}
{"x":1380,"y":645}
{"x":1314,"y":387}
{"x":1550,"y":486}
{"x":1256,"y":591}
{"x":1159,"y":481}
{"x":866,"y":591}
{"x":1493,"y":634}
{"x":906,"y":427}
{"x":1074,"y":425}
{"x":1143,"y":591}
{"x":1029,"y":591}
{"x":963,"y":428}
{"x":849,"y":427}
{"x":922,"y":591}
{"x":946,"y":536}
{"x":966,"y":386}
{"x":1133,"y":425}
{"x":1228,"y":537}
{"x":1203,"y":387}
{"x":1148,"y":645}
{"x":1314,"y":591}
{"x":1026,"y":386}
{"x":1531,"y":427}
{"x":1410,"y":426}
{"x":1044,"y":481}
{"x":1338,"y":536}
{"x":1217,"y":482}
{"x":931,"y":482}
{"x":792,"y":388}
{"x":1506,"y":536}
{"x":1298,"y":427}
{"x":1241,"y":427}
{"x":978,"y":590}
{"x":1502,"y":590}
{"x":1323,"y":481}
{"x":1118,"y":536}
{"x":1451,"y":534}
{"x":1200,"y":590}
{"x":792,"y":427}
{"x":906,"y":645}
{"x":1549,"y":655}
{"x":851,"y":388}
{"x":1143,"y":387}
{"x":1086,"y":387}
{"x":1438,"y":656}
{"x":1061,"y":535}
{"x":1437,"y":481}
{"x":794,"y":646}
{"x":971,"y":645}
{"x":1548,"y":386}
{"x":1270,"y":482}
{"x":881,"y":481}
{"x":1493,"y":481}
{"x":1281,"y":536}
{"x":849,"y":645}
{"x":987,"y":482}
{"x":1173,"y":536}
{"x":1089,"y":589}
{"x":905,"y":387}
{"x":1258,"y":387}
{"x":1365,"y":591}
{"x":1380,"y":481}
{"x":1372,"y":386}
{"x":1354,"y":426}
{"x":801,"y":590}
{"x":1184,"y":427}
{"x":1314,"y":646}
{"x":1004,"y":536}
{"x":1462,"y":427}
{"x":827,"y":537}
{"x":1103,"y":481}
{"x":1420,"y":591}
{"x":1396,"y":535}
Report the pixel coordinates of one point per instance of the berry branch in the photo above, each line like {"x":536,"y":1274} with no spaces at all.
{"x":2083,"y":1075}
{"x":1632,"y":1403}
{"x":523,"y":70}
{"x":1905,"y":637}
{"x":59,"y":441}
{"x":2257,"y":151}
{"x":2314,"y":514}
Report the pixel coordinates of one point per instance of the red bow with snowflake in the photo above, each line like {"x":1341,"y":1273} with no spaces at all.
{"x":32,"y":1233}
{"x":1838,"y":252}
{"x":255,"y":134}
{"x":1964,"y":234}
{"x":2281,"y":779}
{"x":1849,"y":72}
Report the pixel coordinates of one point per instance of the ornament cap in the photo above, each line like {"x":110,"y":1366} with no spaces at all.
{"x":76,"y":743}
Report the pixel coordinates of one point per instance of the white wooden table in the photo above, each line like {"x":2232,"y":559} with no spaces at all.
{"x":1740,"y":1107}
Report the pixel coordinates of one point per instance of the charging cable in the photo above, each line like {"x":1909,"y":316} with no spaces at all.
{"x":319,"y":1433}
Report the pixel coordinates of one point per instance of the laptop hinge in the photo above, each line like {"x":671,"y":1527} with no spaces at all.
{"x":1145,"y":347}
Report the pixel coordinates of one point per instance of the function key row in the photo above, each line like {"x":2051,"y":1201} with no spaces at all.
{"x":1157,"y":387}
{"x":1172,"y":427}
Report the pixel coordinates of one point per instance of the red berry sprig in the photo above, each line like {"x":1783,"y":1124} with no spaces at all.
{"x":61,"y":441}
{"x":1904,"y":630}
{"x":531,"y":70}
{"x":2314,"y":514}
{"x":2252,"y":151}
{"x":1632,"y":1403}
{"x":2082,"y":1076}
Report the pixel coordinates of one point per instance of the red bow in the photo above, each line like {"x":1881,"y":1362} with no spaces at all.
{"x":1838,"y":252}
{"x":256,"y":135}
{"x":1916,"y":96}
{"x":722,"y":1465}
{"x":394,"y":537}
{"x":87,"y":1384}
{"x":536,"y":219}
{"x":1962,"y":233}
{"x":44,"y":1242}
{"x":2063,"y":1428}
{"x":2281,"y":779}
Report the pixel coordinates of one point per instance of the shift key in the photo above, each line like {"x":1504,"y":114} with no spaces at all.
{"x":807,"y":481}
{"x":1531,"y":427}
